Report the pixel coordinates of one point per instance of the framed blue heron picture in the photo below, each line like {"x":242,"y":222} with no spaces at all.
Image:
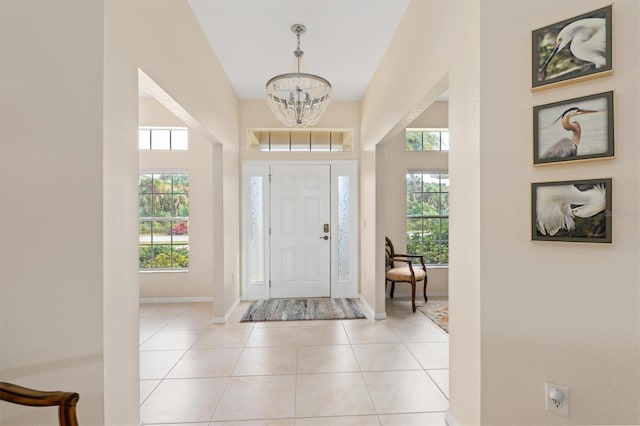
{"x":574,"y":129}
{"x":575,"y":211}
{"x":572,"y":50}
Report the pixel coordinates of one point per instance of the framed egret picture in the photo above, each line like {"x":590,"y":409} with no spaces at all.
{"x":572,"y":50}
{"x":575,"y":129}
{"x":577,"y":211}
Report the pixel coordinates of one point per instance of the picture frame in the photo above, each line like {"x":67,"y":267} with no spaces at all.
{"x":572,"y":50}
{"x":574,"y":211}
{"x":574,"y":129}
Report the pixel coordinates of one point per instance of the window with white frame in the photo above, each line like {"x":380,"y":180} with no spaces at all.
{"x":427,"y":140}
{"x":316,"y":140}
{"x":164,"y":221}
{"x":428,"y":216}
{"x":163,"y":138}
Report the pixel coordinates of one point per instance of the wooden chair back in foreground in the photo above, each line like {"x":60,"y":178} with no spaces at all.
{"x":66,"y":401}
{"x":407,"y":272}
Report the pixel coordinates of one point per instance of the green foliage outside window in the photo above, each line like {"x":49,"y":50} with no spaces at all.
{"x":428,"y":216}
{"x":164,"y":215}
{"x":163,"y":257}
{"x":426,"y":140}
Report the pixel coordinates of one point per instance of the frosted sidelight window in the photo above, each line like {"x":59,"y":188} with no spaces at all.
{"x":256,"y":238}
{"x":343,"y":228}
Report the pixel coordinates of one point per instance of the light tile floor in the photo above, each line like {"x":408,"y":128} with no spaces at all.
{"x":289,"y":373}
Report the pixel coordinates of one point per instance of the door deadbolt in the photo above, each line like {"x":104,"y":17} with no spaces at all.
{"x":326,"y":227}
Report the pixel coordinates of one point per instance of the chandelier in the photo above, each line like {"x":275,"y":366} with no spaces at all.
{"x":298,"y":99}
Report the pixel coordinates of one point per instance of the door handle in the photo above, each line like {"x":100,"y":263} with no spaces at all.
{"x":326,"y":237}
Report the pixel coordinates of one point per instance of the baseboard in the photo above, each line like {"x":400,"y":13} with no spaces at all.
{"x":450,"y":420}
{"x":380,"y":316}
{"x":225,"y":318}
{"x":370,"y":312}
{"x":175,"y":299}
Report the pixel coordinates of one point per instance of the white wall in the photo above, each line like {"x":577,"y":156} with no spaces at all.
{"x":465,"y":231}
{"x":412,"y":73}
{"x":415,"y":81}
{"x":393,"y":170}
{"x":51,"y":195}
{"x":163,"y":38}
{"x":197,"y":161}
{"x":542,"y":301}
{"x":68,"y":168}
{"x":523,"y":313}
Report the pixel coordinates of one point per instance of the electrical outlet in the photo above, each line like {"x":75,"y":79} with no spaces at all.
{"x":557,"y":399}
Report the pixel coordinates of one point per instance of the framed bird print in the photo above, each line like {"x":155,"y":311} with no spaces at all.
{"x":575,"y":129}
{"x":572,"y":50}
{"x":577,"y":211}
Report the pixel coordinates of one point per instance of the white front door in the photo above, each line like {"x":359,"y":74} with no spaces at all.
{"x":300,"y":231}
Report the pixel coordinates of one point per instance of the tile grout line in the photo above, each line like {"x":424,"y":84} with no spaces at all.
{"x":295,"y":382}
{"x":437,"y":385}
{"x":298,"y":374}
{"x":361,"y":373}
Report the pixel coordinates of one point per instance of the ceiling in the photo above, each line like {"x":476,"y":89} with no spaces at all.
{"x":344,"y":42}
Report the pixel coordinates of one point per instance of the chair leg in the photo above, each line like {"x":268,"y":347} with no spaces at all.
{"x":393,"y":287}
{"x":413,"y":296}
{"x":425,"y":290}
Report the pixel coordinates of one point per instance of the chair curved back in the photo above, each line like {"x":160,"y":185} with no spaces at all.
{"x":389,"y":253}
{"x":66,"y":401}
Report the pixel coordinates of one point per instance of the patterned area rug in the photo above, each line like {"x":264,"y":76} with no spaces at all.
{"x":438,"y":312}
{"x":302,"y":309}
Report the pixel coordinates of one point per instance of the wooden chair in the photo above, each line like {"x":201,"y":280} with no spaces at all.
{"x":66,"y":401}
{"x":407,"y":273}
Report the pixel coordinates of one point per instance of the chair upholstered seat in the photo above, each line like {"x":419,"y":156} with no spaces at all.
{"x":404,"y":274}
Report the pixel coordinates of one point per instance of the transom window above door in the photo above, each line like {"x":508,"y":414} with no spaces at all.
{"x":317,"y":140}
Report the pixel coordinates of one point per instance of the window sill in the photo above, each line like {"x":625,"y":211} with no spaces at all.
{"x":163,"y":271}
